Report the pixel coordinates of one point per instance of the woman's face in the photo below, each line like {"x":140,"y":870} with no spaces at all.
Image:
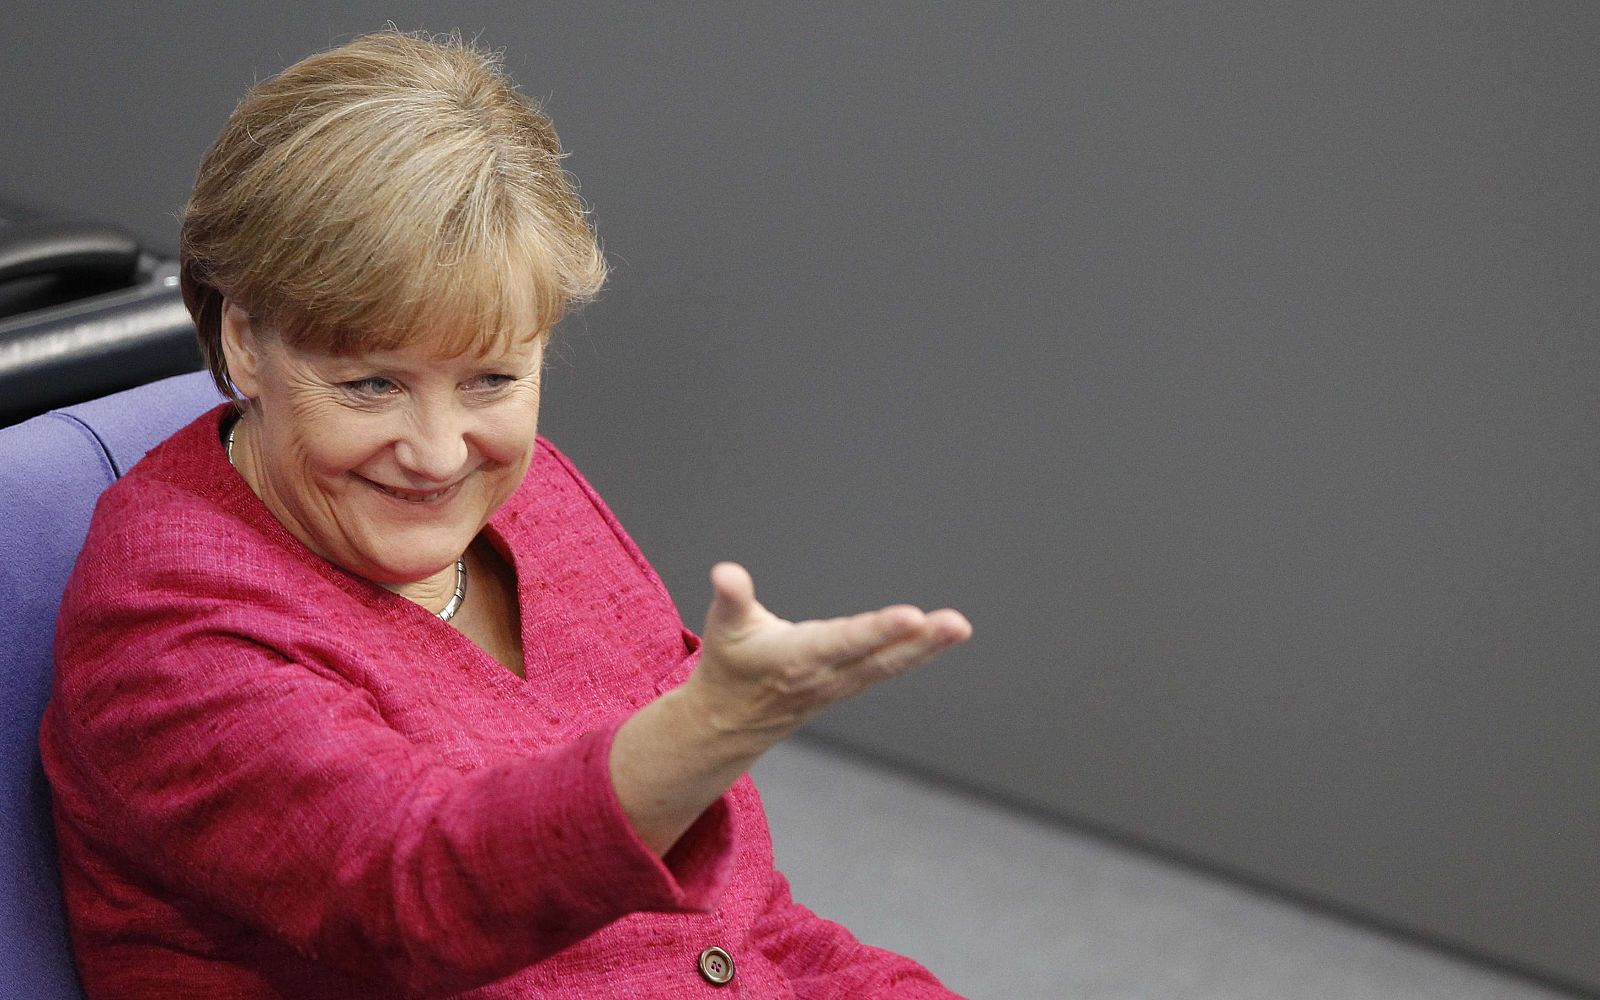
{"x":389,"y":463}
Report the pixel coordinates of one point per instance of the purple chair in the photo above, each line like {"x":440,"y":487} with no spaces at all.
{"x":52,"y":469}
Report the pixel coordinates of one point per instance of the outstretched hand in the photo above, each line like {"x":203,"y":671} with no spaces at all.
{"x":759,"y":678}
{"x":762,"y":676}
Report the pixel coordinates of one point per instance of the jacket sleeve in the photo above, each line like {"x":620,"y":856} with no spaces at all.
{"x":272,"y":790}
{"x":824,"y":960}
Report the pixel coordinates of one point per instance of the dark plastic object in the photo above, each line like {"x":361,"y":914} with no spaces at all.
{"x":84,"y":311}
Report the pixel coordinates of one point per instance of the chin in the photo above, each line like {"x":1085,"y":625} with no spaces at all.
{"x":391,"y":573}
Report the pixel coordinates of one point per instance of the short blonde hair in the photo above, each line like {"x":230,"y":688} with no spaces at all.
{"x":395,"y":190}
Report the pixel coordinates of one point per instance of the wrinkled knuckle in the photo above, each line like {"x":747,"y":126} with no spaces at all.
{"x":899,"y":662}
{"x":797,"y":672}
{"x":788,"y":683}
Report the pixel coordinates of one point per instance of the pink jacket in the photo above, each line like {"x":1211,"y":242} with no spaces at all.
{"x":276,"y":779}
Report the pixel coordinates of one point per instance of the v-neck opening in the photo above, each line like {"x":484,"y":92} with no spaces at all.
{"x":507,"y":680}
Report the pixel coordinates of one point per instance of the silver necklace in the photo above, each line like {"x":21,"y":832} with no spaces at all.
{"x":456,"y":599}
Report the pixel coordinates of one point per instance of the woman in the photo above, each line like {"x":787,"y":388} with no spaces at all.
{"x":361,"y":691}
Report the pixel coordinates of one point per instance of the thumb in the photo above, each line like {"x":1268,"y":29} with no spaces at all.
{"x":733,"y":598}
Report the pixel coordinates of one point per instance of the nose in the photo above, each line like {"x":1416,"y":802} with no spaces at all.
{"x":433,"y":448}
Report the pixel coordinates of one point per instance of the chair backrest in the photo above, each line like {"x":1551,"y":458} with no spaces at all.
{"x":52,"y":469}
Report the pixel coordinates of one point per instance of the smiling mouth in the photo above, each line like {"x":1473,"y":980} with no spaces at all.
{"x":413,"y":496}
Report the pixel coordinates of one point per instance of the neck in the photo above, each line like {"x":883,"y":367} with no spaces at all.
{"x":432,"y":592}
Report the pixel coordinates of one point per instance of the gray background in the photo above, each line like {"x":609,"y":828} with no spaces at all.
{"x":1231,"y":366}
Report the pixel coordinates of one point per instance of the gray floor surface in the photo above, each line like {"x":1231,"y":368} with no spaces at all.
{"x":1004,"y":905}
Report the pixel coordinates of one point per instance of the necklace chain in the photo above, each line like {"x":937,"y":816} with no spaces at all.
{"x":456,"y":599}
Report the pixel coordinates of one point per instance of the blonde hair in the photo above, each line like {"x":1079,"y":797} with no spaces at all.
{"x":395,"y":190}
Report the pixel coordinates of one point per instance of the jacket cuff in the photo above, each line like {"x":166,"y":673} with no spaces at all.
{"x":693,"y":872}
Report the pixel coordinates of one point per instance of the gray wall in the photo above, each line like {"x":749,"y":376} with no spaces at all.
{"x":1232,"y":366}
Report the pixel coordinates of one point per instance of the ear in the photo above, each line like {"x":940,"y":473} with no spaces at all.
{"x":241,"y":348}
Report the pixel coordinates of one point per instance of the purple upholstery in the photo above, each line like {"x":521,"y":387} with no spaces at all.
{"x":52,"y":468}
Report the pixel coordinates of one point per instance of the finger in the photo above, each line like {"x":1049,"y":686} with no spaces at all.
{"x":896,"y":659}
{"x":950,"y":625}
{"x":733,"y":597}
{"x":938,"y":631}
{"x":841,"y":639}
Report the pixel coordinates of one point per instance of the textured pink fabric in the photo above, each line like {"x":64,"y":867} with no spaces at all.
{"x":276,"y":779}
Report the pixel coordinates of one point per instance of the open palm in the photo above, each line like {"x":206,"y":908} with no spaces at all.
{"x":764,"y":675}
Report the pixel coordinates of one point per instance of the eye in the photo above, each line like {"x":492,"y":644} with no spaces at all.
{"x":371,"y":388}
{"x":489,"y":383}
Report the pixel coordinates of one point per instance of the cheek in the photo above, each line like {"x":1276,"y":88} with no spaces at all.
{"x":508,"y":435}
{"x":339,"y":458}
{"x":334,"y":447}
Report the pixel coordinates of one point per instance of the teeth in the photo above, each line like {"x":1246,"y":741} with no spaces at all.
{"x":413,"y":497}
